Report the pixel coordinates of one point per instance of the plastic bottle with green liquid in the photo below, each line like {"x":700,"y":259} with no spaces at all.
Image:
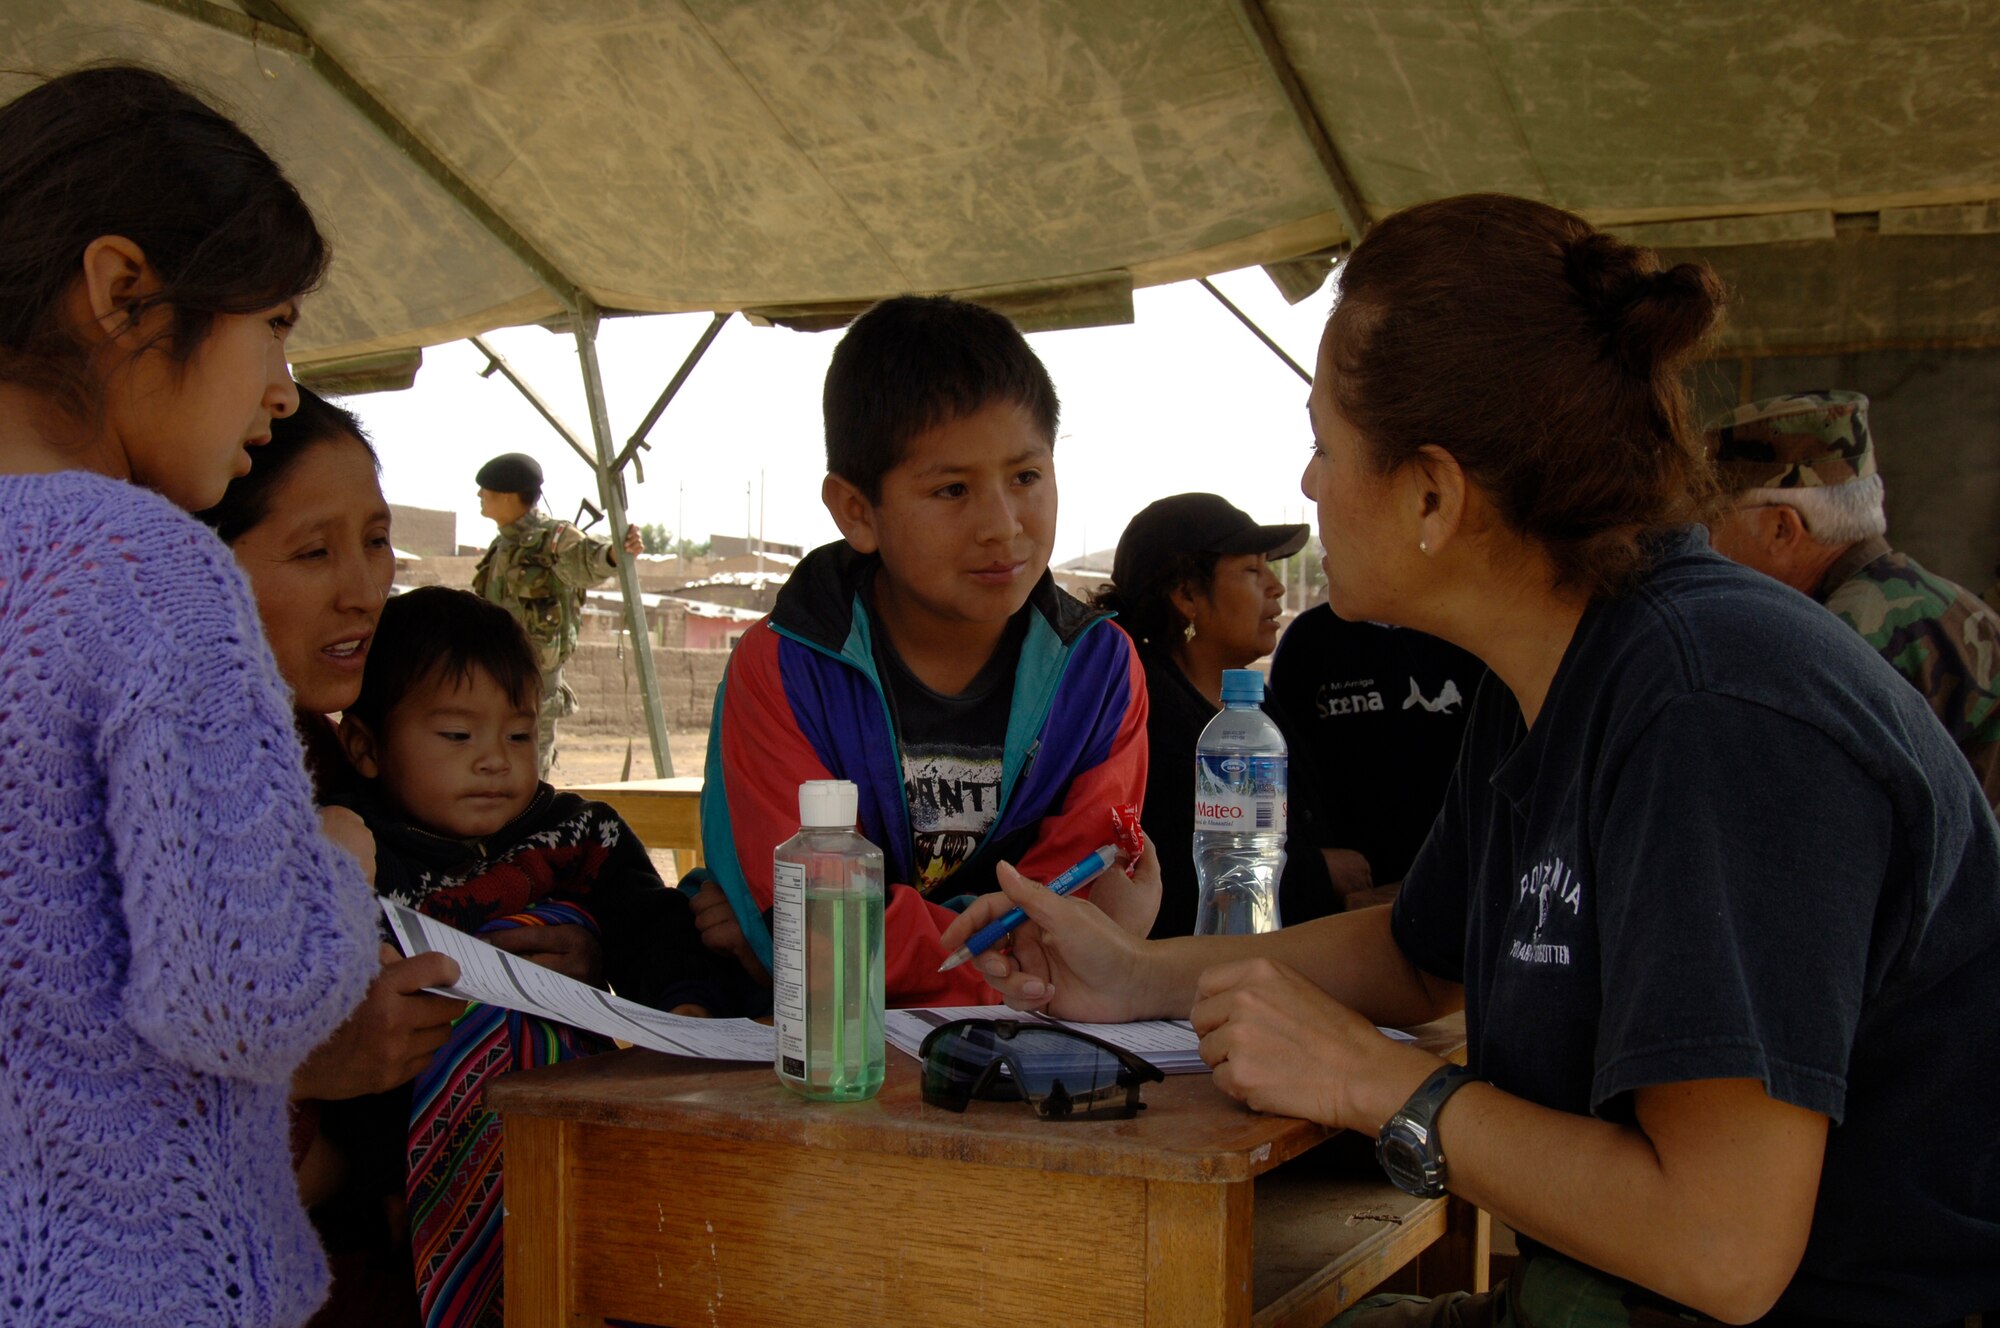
{"x":826,"y":950}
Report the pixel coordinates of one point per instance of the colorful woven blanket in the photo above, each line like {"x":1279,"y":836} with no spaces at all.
{"x":454,"y":1144}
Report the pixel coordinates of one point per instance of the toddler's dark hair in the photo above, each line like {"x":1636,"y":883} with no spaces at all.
{"x":435,"y":632}
{"x":917,"y":361}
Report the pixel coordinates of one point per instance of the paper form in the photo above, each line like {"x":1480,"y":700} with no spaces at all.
{"x":1170,"y":1045}
{"x":498,"y":978}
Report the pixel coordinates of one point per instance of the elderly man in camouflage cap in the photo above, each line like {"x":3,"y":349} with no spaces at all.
{"x":538,"y":568}
{"x":1806,"y":508}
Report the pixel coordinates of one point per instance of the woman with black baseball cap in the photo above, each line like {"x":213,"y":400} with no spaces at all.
{"x":1192,"y":584}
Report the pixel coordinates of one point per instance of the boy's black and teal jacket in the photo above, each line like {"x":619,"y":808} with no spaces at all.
{"x":802,"y":700}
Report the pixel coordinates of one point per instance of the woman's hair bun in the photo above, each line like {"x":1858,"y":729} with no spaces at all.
{"x":1548,"y":359}
{"x":1650,"y":316}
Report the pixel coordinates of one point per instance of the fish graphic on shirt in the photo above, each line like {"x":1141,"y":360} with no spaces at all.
{"x":1446,"y":698}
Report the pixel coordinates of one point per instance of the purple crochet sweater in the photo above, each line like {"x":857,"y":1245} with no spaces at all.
{"x":175,"y":936}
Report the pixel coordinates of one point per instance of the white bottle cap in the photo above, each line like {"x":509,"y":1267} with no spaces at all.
{"x":828,"y":802}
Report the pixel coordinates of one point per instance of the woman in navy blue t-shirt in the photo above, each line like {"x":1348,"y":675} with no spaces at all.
{"x":1719,"y":898}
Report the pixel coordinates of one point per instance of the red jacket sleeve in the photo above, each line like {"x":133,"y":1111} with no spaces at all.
{"x":764,"y":759}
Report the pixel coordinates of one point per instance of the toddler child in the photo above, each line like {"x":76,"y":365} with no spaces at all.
{"x":466,"y":832}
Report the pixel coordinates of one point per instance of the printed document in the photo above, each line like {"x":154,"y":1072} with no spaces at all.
{"x":498,"y":978}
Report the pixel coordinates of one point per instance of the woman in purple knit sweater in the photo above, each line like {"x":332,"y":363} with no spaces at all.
{"x":175,"y":932}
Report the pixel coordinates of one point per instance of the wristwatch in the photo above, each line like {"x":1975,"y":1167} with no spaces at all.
{"x":1408,"y":1148}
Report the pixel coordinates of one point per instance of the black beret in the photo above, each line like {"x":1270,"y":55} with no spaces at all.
{"x":511,"y":472}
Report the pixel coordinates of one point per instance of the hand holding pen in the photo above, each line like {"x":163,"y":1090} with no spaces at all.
{"x":1075,"y":878}
{"x":1075,"y":960}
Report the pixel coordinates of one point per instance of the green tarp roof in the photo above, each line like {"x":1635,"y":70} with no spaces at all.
{"x":1838,"y":161}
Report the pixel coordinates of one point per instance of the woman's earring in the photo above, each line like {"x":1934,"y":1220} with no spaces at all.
{"x":1187,"y":633}
{"x":1423,"y":546}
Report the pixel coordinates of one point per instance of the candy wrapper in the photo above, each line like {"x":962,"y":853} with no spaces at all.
{"x":1126,"y":834}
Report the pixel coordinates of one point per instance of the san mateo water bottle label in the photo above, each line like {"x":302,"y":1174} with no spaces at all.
{"x":1239,"y":794}
{"x":788,"y":962}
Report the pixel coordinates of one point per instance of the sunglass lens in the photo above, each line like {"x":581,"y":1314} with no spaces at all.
{"x":1064,"y":1076}
{"x":956,"y":1060}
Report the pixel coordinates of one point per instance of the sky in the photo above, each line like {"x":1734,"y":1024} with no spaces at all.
{"x":1183,"y":398}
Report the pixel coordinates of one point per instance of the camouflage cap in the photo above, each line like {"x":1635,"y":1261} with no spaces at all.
{"x":1803,"y":440}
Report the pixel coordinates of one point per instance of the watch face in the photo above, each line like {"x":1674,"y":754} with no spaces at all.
{"x":1403,"y":1162}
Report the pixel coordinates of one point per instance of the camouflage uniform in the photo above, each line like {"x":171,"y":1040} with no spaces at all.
{"x":1936,"y":633}
{"x":537,"y":569}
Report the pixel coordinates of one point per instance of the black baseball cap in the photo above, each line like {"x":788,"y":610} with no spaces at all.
{"x":510,"y":472}
{"x":1193,"y":523}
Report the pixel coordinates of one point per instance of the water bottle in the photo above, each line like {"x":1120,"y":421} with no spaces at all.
{"x":826,"y":951}
{"x":1239,"y":813}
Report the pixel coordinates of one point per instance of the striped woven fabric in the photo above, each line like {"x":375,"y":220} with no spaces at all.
{"x":454,"y":1144}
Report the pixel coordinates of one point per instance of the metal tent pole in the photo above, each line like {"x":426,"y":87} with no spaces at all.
{"x":609,"y":471}
{"x":611,"y":490}
{"x":269,"y":20}
{"x":497,"y":363}
{"x":1259,"y":332}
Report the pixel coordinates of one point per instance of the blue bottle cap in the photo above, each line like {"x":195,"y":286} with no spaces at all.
{"x":1245,"y":686}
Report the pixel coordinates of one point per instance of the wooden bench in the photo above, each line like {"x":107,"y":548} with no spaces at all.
{"x":664,"y":813}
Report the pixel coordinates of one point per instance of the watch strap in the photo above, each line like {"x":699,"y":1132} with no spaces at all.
{"x":1423,"y":1105}
{"x":1409,"y":1132}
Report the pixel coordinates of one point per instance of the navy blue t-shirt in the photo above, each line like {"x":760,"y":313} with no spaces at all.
{"x":1736,"y":844}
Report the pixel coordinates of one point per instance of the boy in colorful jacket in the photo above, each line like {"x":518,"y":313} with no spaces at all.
{"x":985,"y":715}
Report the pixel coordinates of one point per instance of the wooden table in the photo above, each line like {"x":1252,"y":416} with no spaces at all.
{"x":660,"y":1191}
{"x":664,"y":813}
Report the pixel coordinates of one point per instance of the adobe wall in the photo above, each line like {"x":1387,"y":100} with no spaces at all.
{"x":688,"y":679}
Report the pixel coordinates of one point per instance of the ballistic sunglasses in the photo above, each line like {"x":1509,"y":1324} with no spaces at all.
{"x":1065,"y":1074}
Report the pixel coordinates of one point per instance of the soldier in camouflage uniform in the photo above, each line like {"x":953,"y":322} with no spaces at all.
{"x":537,"y":569}
{"x":1806,"y":508}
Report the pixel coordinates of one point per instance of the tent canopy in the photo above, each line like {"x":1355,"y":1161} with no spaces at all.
{"x":481,"y":163}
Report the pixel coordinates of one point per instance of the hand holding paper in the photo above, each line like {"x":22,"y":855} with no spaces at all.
{"x":497,"y":978}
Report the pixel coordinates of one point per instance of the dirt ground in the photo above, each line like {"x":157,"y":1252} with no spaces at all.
{"x":595,"y":758}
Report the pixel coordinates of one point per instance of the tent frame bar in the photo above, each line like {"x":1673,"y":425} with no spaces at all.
{"x":1347,"y":204}
{"x":611,"y":489}
{"x":270,"y":18}
{"x":1256,"y":331}
{"x":497,"y":363}
{"x":637,"y":443}
{"x":404,"y":139}
{"x":258,"y":32}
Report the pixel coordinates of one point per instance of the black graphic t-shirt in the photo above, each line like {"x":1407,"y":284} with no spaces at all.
{"x":1732,"y":846}
{"x":1376,"y":714}
{"x":952,"y":750}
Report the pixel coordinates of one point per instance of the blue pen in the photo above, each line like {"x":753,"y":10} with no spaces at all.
{"x":983,"y":939}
